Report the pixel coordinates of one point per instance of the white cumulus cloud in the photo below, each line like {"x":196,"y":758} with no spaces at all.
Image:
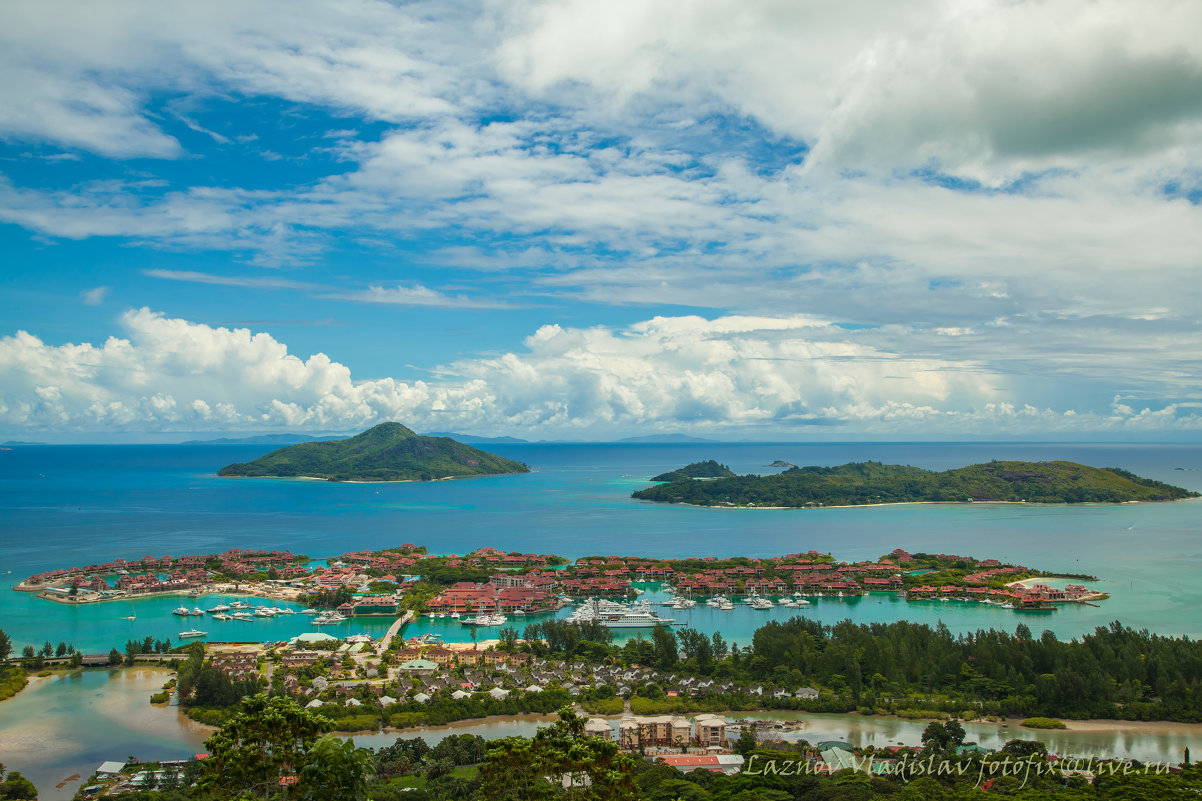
{"x":738,"y":372}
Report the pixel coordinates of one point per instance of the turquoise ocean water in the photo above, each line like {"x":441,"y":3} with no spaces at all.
{"x":68,"y":505}
{"x":62,"y":506}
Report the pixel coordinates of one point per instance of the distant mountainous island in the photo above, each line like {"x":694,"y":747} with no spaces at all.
{"x":472,"y":438}
{"x":710,"y":469}
{"x":261,"y":439}
{"x":664,"y":439}
{"x":387,"y":452}
{"x":860,"y":483}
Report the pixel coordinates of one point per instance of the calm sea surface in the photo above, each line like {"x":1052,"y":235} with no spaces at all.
{"x":62,"y":506}
{"x":65,"y":505}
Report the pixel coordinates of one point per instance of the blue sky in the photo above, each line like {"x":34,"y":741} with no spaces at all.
{"x":587,"y":221}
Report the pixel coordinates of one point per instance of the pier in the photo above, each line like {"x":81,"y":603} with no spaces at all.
{"x":393,"y":629}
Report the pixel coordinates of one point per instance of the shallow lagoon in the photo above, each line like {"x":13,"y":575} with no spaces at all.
{"x":68,"y":724}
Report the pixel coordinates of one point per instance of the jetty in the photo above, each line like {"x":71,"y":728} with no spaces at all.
{"x":394,"y":629}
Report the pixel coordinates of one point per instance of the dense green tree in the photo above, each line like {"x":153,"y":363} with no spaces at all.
{"x":16,"y":786}
{"x":267,"y":739}
{"x":747,"y":741}
{"x":666,"y":653}
{"x":559,"y":762}
{"x":334,"y":770}
{"x":6,"y":646}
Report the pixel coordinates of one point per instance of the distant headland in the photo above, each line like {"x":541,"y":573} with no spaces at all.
{"x":870,"y":483}
{"x":387,"y":452}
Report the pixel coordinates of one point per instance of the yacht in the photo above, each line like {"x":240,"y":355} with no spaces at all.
{"x":617,"y":616}
{"x":328,"y":617}
{"x":760,"y":603}
{"x":193,"y":633}
{"x":519,"y":612}
{"x":283,"y":610}
{"x":242,"y":616}
{"x":455,"y":616}
{"x":725,"y":606}
{"x":220,"y":608}
{"x":483,"y":620}
{"x":309,"y":612}
{"x":182,"y":611}
{"x":264,"y":612}
{"x":222,"y":616}
{"x":196,"y":610}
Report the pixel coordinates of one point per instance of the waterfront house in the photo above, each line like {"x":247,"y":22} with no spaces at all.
{"x":662,"y":730}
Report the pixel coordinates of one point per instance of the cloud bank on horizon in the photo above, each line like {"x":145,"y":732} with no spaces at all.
{"x":582,"y":219}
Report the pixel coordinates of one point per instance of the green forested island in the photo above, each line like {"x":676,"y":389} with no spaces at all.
{"x":387,"y":452}
{"x":709,"y":469}
{"x":860,"y":483}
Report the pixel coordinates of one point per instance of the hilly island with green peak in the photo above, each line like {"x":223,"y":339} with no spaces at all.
{"x":709,"y":469}
{"x":387,"y":452}
{"x":863,"y":483}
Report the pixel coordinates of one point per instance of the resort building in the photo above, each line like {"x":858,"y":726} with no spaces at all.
{"x":597,"y":727}
{"x":636,"y":733}
{"x":709,"y":730}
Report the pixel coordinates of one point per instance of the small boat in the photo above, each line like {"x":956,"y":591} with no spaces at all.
{"x":328,"y":617}
{"x":193,"y":633}
{"x":454,"y":615}
{"x":309,"y":612}
{"x":279,"y":610}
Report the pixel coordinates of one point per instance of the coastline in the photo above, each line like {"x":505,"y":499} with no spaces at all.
{"x":798,"y":719}
{"x":149,"y":676}
{"x":377,"y":480}
{"x":1035,"y":504}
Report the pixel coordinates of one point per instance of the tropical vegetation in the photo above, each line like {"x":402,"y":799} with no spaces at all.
{"x":387,"y":452}
{"x":707,"y":469}
{"x":860,"y":483}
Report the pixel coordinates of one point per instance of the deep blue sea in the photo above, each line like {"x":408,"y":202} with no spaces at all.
{"x":72,"y":505}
